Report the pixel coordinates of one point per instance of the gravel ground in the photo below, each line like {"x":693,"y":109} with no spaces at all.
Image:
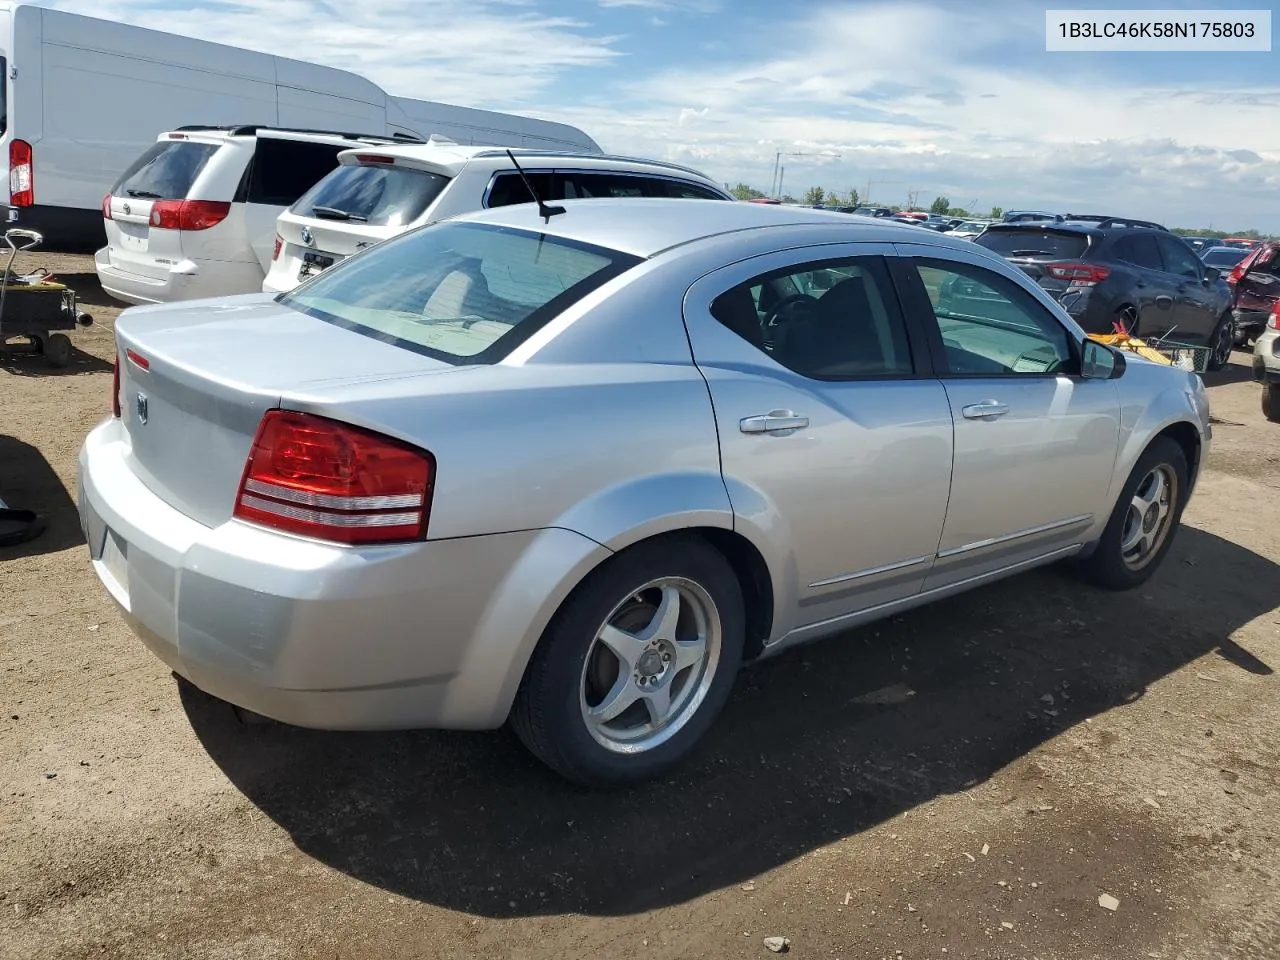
{"x":964,"y":781}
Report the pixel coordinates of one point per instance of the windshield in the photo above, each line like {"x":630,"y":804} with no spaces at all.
{"x":1034,"y":244}
{"x":459,"y":292}
{"x":1224,"y":258}
{"x":379,"y":195}
{"x":165,"y":171}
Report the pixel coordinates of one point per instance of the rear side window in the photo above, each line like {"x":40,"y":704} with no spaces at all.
{"x":1034,"y":244}
{"x":508,"y":188}
{"x":283,"y":170}
{"x":1141,"y":250}
{"x":165,"y":171}
{"x":379,"y":195}
{"x":682,"y":190}
{"x":459,"y":292}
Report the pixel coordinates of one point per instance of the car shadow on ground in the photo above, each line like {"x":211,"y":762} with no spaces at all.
{"x":816,"y":745}
{"x":1239,"y":369}
{"x":28,"y":482}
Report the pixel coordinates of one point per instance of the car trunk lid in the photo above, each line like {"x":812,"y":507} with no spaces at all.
{"x":196,"y":378}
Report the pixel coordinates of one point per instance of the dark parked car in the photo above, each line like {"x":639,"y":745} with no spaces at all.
{"x":1255,"y":289}
{"x":1224,"y":258}
{"x":866,"y":211}
{"x":1112,"y":273}
{"x":1201,"y":244}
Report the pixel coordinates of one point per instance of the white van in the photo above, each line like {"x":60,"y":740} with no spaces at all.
{"x":81,"y":98}
{"x":195,"y":215}
{"x":378,"y":194}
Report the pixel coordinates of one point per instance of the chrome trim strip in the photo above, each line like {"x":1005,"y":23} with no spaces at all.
{"x":1029,"y":532}
{"x":873,"y":571}
{"x":919,"y":599}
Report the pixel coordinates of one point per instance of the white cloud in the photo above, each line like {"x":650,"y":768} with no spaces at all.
{"x":691,"y":6}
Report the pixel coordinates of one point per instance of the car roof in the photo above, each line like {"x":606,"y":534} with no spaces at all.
{"x":452,"y":157}
{"x":648,"y":226}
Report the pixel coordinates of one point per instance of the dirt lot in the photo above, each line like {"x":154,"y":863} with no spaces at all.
{"x":964,"y":781}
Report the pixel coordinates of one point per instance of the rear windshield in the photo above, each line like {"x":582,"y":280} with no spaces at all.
{"x":1224,"y":258}
{"x":165,"y":171}
{"x":1034,"y":244}
{"x":382,"y":196}
{"x":459,"y":292}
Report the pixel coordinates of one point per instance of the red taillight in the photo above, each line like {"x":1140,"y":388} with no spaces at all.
{"x":320,"y":478}
{"x":275,"y":254}
{"x":106,"y":207}
{"x":188,"y":214}
{"x":115,"y":387}
{"x":1078,"y":274}
{"x":22,"y":185}
{"x":1274,"y":320}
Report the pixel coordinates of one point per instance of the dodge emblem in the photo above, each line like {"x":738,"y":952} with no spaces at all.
{"x":141,"y":406}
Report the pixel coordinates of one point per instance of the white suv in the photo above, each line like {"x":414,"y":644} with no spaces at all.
{"x":194,"y":216}
{"x":377,"y":194}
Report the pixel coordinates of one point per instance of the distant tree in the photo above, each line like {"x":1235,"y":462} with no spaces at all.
{"x":744,"y":192}
{"x":958,"y":212}
{"x":996,"y":213}
{"x":853,"y":199}
{"x":814,"y":196}
{"x":940,"y":206}
{"x":788,"y":198}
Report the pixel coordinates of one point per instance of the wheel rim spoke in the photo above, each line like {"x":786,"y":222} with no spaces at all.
{"x":665,"y":619}
{"x":627,"y":647}
{"x":615,"y":703}
{"x":689,"y":653}
{"x":1133,"y":536}
{"x":658,"y":704}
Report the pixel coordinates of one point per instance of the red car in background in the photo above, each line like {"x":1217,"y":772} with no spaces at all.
{"x":1255,"y":289}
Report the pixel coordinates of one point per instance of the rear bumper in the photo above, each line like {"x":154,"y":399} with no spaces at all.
{"x":186,"y":280}
{"x":432,"y":634}
{"x":1250,"y":320}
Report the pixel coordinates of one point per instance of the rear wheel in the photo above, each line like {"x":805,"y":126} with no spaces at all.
{"x":1271,"y":402}
{"x":1144,"y":520}
{"x":1222,"y":342}
{"x":57,"y":350}
{"x":635,"y":666}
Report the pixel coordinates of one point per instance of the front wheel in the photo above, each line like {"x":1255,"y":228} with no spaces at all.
{"x":1271,"y":401}
{"x":1144,"y":520}
{"x":635,"y":666}
{"x":57,"y":350}
{"x":1222,"y":342}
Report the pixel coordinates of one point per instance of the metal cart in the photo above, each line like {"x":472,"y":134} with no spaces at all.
{"x":32,"y":306}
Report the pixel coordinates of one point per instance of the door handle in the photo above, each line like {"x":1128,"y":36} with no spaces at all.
{"x":1164,"y":301}
{"x":985,"y":410}
{"x":775,"y":421}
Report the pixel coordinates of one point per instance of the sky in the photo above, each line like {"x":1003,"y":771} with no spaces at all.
{"x":923,"y":97}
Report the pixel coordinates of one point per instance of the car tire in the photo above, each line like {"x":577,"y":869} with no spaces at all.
{"x":575,"y":678}
{"x":1271,"y":401}
{"x":1113,"y":565}
{"x":1221,"y":342}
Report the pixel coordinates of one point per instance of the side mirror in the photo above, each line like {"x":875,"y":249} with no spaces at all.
{"x":1100,"y":362}
{"x":1211,"y":274}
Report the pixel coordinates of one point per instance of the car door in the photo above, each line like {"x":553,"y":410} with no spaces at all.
{"x":835,"y":437}
{"x":1195,"y":304}
{"x":1154,"y":290}
{"x":1035,"y":444}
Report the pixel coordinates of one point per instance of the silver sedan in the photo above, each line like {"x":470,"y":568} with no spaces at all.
{"x":573,"y":472}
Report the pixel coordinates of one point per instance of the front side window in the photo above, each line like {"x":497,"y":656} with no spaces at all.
{"x":165,"y":171}
{"x":990,"y":326}
{"x":832,"y":320}
{"x":1178,"y":258}
{"x":459,"y":292}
